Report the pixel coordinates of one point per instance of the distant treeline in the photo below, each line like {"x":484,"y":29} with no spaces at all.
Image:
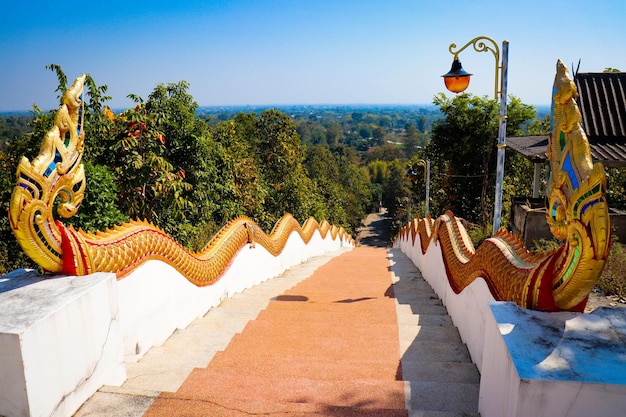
{"x":357,"y":126}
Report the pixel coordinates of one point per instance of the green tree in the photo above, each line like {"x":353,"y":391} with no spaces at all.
{"x":539,"y":127}
{"x":385,"y":152}
{"x":99,"y":210}
{"x":359,"y":198}
{"x":379,"y":135}
{"x":378,"y":171}
{"x":357,"y":117}
{"x":318,"y":134}
{"x":237,"y":185}
{"x":463,"y":147}
{"x":397,"y":193}
{"x":304,"y":131}
{"x":12,"y":127}
{"x":186,"y":147}
{"x":11,"y":254}
{"x":365,"y":130}
{"x":342,"y":188}
{"x":280,"y":154}
{"x":411,"y":141}
{"x":334,"y":135}
{"x":324,"y":173}
{"x":146,"y":180}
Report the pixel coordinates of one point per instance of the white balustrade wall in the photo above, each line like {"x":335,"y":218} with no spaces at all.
{"x":533,"y":364}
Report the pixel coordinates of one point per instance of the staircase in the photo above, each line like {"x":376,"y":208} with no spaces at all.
{"x":440,"y":377}
{"x":343,"y":337}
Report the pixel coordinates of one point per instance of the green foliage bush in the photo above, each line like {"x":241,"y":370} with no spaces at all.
{"x":160,"y":162}
{"x":545,"y":246}
{"x":613,"y":278}
{"x":612,"y":281}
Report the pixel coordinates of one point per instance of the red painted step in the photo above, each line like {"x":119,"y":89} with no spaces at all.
{"x":308,"y":366}
{"x":328,"y":346}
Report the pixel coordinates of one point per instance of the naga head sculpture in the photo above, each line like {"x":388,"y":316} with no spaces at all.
{"x":54,"y":179}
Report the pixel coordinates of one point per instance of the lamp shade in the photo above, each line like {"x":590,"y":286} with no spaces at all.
{"x":457,"y":79}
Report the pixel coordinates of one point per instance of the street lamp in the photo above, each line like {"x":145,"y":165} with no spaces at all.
{"x":456,"y":80}
{"x":459,"y":80}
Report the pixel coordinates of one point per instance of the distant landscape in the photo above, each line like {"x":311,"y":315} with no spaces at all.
{"x":358,"y":121}
{"x":191,"y":168}
{"x":391,"y":118}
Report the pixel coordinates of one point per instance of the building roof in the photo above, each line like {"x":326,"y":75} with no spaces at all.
{"x":532,"y":147}
{"x":602,"y":104}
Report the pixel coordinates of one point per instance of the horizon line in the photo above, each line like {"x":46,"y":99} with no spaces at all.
{"x":200,"y":106}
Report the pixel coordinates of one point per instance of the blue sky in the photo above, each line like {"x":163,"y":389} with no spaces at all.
{"x":274,"y":52}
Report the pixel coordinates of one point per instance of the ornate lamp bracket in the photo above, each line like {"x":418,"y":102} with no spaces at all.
{"x":483,"y":44}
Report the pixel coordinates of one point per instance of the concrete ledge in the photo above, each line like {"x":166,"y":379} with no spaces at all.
{"x":534,"y":364}
{"x":59,"y":342}
{"x":554,"y":364}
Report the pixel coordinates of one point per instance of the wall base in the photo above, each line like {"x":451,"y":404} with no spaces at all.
{"x":60,"y":341}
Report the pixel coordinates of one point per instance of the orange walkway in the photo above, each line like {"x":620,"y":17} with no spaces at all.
{"x":329,"y":347}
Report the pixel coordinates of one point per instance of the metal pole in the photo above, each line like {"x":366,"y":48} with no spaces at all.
{"x":497,"y":210}
{"x":536,"y":175}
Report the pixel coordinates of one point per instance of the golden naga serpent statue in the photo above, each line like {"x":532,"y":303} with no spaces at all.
{"x":577,"y":213}
{"x":57,"y":174}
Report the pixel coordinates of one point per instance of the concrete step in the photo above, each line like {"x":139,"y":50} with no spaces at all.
{"x":423,"y":308}
{"x":262,"y":394}
{"x":436,"y":352}
{"x":424,"y":320}
{"x":312,"y":316}
{"x":276,"y":365}
{"x":447,"y":397}
{"x":441,"y":379}
{"x":425,"y":413}
{"x":441,"y":372}
{"x":262,"y":326}
{"x":445,"y":334}
{"x":198,"y":408}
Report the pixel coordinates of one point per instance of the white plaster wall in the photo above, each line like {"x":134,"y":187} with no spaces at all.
{"x":13,"y":398}
{"x":499,"y":378}
{"x":59,"y":342}
{"x":155,"y":299}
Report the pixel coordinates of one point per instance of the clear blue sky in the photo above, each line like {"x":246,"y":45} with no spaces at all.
{"x":247,"y":52}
